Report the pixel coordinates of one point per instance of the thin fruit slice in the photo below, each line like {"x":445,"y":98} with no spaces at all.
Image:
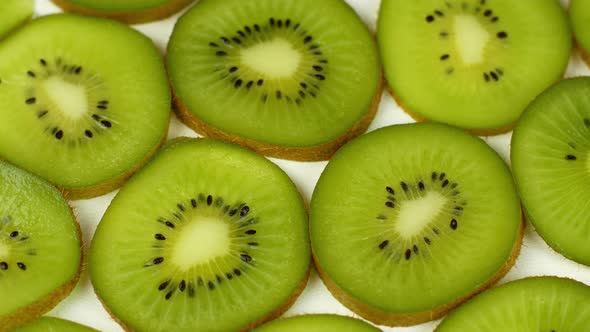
{"x":40,"y":247}
{"x":580,"y":18}
{"x":207,"y":237}
{"x":409,"y":221}
{"x":551,"y":166}
{"x":14,"y":13}
{"x":50,"y":324}
{"x":317,"y":323}
{"x":528,"y":305}
{"x":475,"y":64}
{"x":83,"y":102}
{"x":127,"y":11}
{"x":280,"y":77}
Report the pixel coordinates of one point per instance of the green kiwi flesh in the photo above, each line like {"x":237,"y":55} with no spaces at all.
{"x":475,"y":64}
{"x":410,"y":220}
{"x":580,"y":19}
{"x":276,"y":72}
{"x":120,"y":5}
{"x":317,"y":323}
{"x":40,"y":248}
{"x":51,"y":324}
{"x":538,"y":304}
{"x":207,"y":237}
{"x":14,"y":13}
{"x":551,"y":166}
{"x":80,"y":111}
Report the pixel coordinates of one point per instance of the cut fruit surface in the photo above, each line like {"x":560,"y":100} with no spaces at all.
{"x":40,"y":248}
{"x":273,"y":73}
{"x":580,"y":19}
{"x":551,"y":165}
{"x":317,"y":323}
{"x":207,"y":237}
{"x":50,"y":324}
{"x":14,"y":13}
{"x":475,"y":64}
{"x":410,"y":220}
{"x":78,"y":113}
{"x":527,"y":305}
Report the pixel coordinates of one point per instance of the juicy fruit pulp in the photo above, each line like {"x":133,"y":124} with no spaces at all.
{"x":474,"y":64}
{"x":274,"y":71}
{"x":14,"y":13}
{"x":40,"y":251}
{"x":317,"y":323}
{"x":50,"y":324}
{"x":67,"y":102}
{"x":408,"y":220}
{"x":551,"y":165}
{"x":527,"y":305}
{"x":580,"y":18}
{"x":208,"y":236}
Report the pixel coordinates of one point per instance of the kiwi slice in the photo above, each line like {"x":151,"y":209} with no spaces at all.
{"x":411,"y":220}
{"x":317,"y":323}
{"x":580,"y":19}
{"x":40,"y":247}
{"x":14,"y":13}
{"x":207,"y":237}
{"x":83,"y":102}
{"x":280,"y":77}
{"x":51,"y":324}
{"x":475,"y":64}
{"x":127,"y":11}
{"x":538,"y":304}
{"x":551,"y":165}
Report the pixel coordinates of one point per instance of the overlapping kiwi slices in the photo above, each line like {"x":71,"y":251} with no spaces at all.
{"x":539,"y":304}
{"x":290,"y":79}
{"x":128,"y":11}
{"x":551,"y":165}
{"x":580,"y":18}
{"x":50,"y":324}
{"x":475,"y":64}
{"x":40,"y":247}
{"x":207,"y":237}
{"x":14,"y":13}
{"x":81,"y":112}
{"x":317,"y":323}
{"x":409,"y":221}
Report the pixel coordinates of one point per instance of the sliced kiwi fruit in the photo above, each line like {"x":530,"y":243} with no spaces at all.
{"x":317,"y":323}
{"x":207,"y":237}
{"x":83,"y":101}
{"x":537,"y":304}
{"x":14,"y":13}
{"x":127,"y":11}
{"x":409,"y":221}
{"x":551,"y":165}
{"x":580,"y":20}
{"x":475,"y":64}
{"x":280,"y":77}
{"x":51,"y":324}
{"x":40,"y":247}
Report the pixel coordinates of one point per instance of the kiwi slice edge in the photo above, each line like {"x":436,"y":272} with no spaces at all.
{"x":48,"y":323}
{"x":14,"y":14}
{"x":317,"y":323}
{"x":578,"y":16}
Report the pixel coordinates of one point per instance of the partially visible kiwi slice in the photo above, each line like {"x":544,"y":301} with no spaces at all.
{"x":127,"y":11}
{"x":580,"y":18}
{"x":207,"y":237}
{"x":40,"y":247}
{"x":409,"y":221}
{"x":281,"y":77}
{"x":551,"y":165}
{"x":51,"y":324}
{"x":317,"y":323}
{"x":14,"y":13}
{"x":538,"y":304}
{"x":475,"y":64}
{"x":83,"y":101}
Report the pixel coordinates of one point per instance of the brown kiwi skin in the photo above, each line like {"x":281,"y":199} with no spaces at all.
{"x":128,"y":17}
{"x":380,"y":317}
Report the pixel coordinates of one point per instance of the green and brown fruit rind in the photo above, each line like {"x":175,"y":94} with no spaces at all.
{"x":45,"y":324}
{"x":317,"y":323}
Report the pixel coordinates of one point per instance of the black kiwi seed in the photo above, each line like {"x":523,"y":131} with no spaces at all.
{"x":88,"y":133}
{"x":169,"y":295}
{"x":502,"y":34}
{"x":390,"y":190}
{"x":494,"y":76}
{"x":487,"y":13}
{"x":587,"y":122}
{"x":434,"y":176}
{"x":209,"y":200}
{"x":21,"y":266}
{"x":14,"y":234}
{"x":427,"y":240}
{"x":59,"y":134}
{"x":3,"y":266}
{"x":429,"y":18}
{"x":404,"y":186}
{"x":570,"y":157}
{"x":229,"y":276}
{"x":444,"y":57}
{"x":408,"y":254}
{"x":415,"y":249}
{"x":169,"y":224}
{"x":244,"y":211}
{"x":31,"y":100}
{"x":182,"y":286}
{"x":421,"y":185}
{"x":159,"y":237}
{"x":246,"y":258}
{"x":439,"y":13}
{"x":383,"y":244}
{"x":31,"y":73}
{"x":445,"y":183}
{"x":194,"y":203}
{"x":211,"y":285}
{"x":454,"y":224}
{"x":164,"y":285}
{"x":158,"y":260}
{"x":390,"y":204}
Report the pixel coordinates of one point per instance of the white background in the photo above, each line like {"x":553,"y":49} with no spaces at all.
{"x":536,"y":258}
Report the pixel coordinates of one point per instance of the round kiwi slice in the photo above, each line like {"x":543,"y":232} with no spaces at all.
{"x":207,"y":237}
{"x":538,"y":304}
{"x":280,"y":77}
{"x":127,"y":11}
{"x":83,"y":102}
{"x":317,"y":323}
{"x":409,"y":221}
{"x":551,"y":166}
{"x":50,"y":324}
{"x":14,"y":13}
{"x":580,"y":20}
{"x":475,"y":64}
{"x":40,"y":247}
